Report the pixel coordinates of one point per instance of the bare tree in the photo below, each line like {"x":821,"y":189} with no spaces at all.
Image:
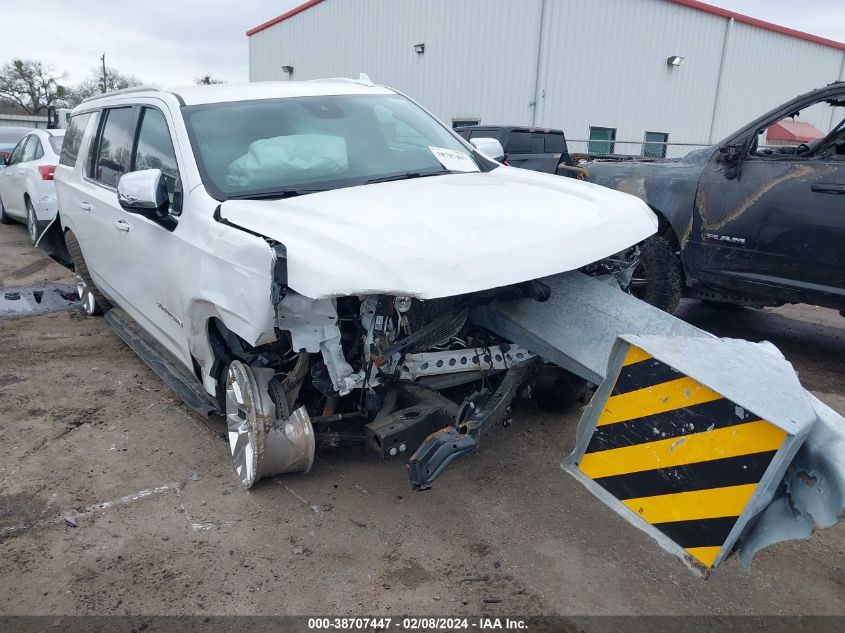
{"x":31,"y":85}
{"x":207,"y":80}
{"x":94,"y":85}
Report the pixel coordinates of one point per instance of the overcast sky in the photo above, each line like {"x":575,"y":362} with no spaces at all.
{"x":172,"y":42}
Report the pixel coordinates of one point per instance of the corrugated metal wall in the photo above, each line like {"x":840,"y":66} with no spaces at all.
{"x":475,"y":62}
{"x":601,"y":63}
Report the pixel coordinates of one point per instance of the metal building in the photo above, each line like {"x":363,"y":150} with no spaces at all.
{"x":605,"y":70}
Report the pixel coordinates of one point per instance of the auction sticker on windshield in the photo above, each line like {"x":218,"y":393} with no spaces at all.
{"x":453,"y":160}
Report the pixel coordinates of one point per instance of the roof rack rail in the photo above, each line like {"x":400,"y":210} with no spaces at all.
{"x":122,"y":91}
{"x":363,"y":79}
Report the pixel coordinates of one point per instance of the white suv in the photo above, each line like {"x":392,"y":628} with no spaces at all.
{"x":305,"y":257}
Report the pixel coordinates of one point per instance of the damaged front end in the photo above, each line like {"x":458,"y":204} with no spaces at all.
{"x":403,"y":377}
{"x":709,"y":445}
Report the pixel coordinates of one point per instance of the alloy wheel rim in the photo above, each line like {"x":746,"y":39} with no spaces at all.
{"x":31,"y":222}
{"x":86,"y":297}
{"x":240,"y":423}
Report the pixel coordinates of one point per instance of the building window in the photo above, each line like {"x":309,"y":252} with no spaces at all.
{"x":602,"y":140}
{"x":655,"y":144}
{"x":456,"y":123}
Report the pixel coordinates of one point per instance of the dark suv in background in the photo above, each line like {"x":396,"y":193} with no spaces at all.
{"x":528,"y":147}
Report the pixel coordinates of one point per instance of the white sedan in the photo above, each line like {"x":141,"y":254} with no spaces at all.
{"x":27,"y":191}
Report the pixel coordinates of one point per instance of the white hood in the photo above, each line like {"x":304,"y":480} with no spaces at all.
{"x":444,"y":235}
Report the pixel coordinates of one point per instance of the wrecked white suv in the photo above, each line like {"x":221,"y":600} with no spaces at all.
{"x":305,"y":257}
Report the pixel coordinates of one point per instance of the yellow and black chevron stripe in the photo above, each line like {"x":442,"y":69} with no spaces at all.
{"x":678,"y":454}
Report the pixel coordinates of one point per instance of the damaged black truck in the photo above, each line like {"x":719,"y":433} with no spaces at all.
{"x":747,"y":223}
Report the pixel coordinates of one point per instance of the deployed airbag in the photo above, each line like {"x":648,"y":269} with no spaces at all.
{"x":291,"y":159}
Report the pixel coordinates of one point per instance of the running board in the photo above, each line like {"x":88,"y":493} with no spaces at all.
{"x":182,"y":382}
{"x":701,"y":442}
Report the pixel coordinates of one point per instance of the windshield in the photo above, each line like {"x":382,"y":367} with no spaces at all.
{"x":305,"y":144}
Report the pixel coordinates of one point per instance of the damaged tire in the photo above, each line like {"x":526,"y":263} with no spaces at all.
{"x":93,"y":302}
{"x":657,"y":277}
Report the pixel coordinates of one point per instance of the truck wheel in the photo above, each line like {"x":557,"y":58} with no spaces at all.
{"x":657,"y":276}
{"x":93,"y":303}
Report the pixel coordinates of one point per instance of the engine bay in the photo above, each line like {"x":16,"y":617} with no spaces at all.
{"x":404,"y":378}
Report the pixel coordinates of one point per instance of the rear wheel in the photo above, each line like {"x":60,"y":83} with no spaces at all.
{"x":657,"y":275}
{"x":31,"y":222}
{"x":93,"y":302}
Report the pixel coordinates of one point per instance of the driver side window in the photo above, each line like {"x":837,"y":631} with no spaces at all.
{"x":808,"y":133}
{"x":154,"y":150}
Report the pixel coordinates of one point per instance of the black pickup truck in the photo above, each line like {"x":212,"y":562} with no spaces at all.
{"x":743,"y":223}
{"x":537,"y":149}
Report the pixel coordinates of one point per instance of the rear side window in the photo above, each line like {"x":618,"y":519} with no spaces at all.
{"x":37,"y":150}
{"x":73,"y":139}
{"x":155,"y":148}
{"x":523,"y":142}
{"x":481,"y":134}
{"x":519,"y":143}
{"x":555,"y":143}
{"x":114,"y":150}
{"x":32,"y":146}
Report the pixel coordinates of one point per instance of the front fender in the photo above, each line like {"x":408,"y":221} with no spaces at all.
{"x":668,"y":187}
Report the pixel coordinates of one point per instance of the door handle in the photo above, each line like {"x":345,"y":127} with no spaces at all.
{"x":85,"y":206}
{"x":122,"y":225}
{"x":828,"y":187}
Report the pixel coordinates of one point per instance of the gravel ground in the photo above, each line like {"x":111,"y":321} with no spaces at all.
{"x":162,"y":526}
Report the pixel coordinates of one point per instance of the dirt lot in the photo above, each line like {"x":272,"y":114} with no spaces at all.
{"x":163,"y":527}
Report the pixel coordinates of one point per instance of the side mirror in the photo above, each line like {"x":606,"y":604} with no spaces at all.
{"x":5,"y":160}
{"x":728,"y":154}
{"x":144,"y":192}
{"x":490,"y":147}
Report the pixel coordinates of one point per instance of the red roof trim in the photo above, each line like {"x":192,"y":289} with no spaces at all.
{"x":739,"y":17}
{"x":694,"y":4}
{"x":302,"y":7}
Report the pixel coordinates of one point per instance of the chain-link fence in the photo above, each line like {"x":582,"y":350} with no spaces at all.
{"x":583,"y":150}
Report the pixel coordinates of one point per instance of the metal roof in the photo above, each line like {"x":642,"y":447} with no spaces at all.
{"x":693,"y":4}
{"x":789,"y":130}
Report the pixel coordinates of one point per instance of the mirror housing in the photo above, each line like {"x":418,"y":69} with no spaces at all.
{"x":144,"y":192}
{"x":490,"y":147}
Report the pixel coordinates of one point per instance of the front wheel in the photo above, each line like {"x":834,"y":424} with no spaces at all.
{"x":31,"y":222}
{"x":657,"y":275}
